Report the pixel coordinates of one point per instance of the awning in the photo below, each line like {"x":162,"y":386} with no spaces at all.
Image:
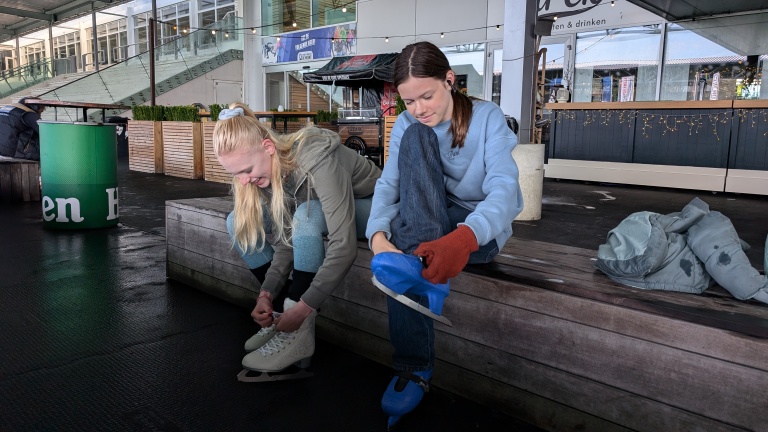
{"x":673,"y":10}
{"x":350,"y":70}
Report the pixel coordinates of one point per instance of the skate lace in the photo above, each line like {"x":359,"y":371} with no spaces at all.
{"x":264,"y":330}
{"x":278,"y":341}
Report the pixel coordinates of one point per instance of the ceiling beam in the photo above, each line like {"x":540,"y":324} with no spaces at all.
{"x":27,"y":14}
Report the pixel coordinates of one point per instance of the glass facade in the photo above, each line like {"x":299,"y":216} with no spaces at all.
{"x":174,"y":22}
{"x":608,"y":61}
{"x":468,"y":62}
{"x":696,"y":68}
{"x":282,"y":16}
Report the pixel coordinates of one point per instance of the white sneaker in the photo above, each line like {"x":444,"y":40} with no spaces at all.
{"x":259,"y":339}
{"x":285,"y":349}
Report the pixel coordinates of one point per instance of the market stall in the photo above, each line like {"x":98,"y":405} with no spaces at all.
{"x":366,"y":94}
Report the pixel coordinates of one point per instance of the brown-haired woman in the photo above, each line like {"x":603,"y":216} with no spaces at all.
{"x":447,"y":197}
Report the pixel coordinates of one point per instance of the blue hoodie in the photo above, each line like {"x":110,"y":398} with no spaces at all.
{"x":481,"y":176}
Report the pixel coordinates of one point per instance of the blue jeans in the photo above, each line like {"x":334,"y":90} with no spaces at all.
{"x":426,"y":214}
{"x":308,"y":231}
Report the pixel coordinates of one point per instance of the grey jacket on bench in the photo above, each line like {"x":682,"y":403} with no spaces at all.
{"x":680,"y":252}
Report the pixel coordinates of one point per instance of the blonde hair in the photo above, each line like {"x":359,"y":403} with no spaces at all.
{"x":247,"y":131}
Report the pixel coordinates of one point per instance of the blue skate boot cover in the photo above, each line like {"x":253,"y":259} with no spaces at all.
{"x":401,"y":273}
{"x":404,"y":393}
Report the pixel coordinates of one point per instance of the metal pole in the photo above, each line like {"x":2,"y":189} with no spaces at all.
{"x":152,"y":61}
{"x":18,"y":55}
{"x":152,"y":45}
{"x":95,"y":42}
{"x":50,"y":46}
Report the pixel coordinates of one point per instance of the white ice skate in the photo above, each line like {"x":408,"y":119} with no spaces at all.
{"x":284,"y":356}
{"x":260,"y":338}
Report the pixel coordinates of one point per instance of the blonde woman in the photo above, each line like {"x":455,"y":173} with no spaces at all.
{"x":293,"y":190}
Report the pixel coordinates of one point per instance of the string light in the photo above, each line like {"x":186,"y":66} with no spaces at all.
{"x":613,"y":3}
{"x":498,"y":26}
{"x":442,"y":35}
{"x":226,"y":35}
{"x":253,"y":30}
{"x":669,"y":123}
{"x":555,"y":18}
{"x":386,"y":39}
{"x":294,"y":24}
{"x":213,"y":31}
{"x":344,"y":9}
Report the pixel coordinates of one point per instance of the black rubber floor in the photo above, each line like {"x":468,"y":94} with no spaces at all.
{"x":94,"y":338}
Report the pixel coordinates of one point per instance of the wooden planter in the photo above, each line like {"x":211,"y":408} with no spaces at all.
{"x":213,"y":170}
{"x":183,"y":149}
{"x":145,"y":146}
{"x":389,"y":122}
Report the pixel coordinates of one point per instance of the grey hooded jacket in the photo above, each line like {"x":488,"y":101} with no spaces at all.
{"x":680,"y":252}
{"x":335,"y":175}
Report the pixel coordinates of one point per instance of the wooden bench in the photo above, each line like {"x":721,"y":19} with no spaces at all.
{"x":19,"y":179}
{"x":539,"y":334}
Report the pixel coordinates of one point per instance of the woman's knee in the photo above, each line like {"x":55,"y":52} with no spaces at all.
{"x":231,"y":224}
{"x":309,"y":220}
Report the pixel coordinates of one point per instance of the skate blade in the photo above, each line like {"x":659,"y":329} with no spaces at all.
{"x":411,"y":304}
{"x":245,"y":376}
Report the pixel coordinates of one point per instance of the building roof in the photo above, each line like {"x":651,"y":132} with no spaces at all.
{"x":21,"y":17}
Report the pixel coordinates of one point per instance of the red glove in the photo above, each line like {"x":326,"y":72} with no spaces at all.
{"x":448,"y":255}
{"x":291,"y":319}
{"x":262,"y":313}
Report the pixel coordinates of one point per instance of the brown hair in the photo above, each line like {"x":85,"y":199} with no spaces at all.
{"x":425,"y":60}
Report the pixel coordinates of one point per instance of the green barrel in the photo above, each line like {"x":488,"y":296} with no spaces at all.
{"x":78,"y":170}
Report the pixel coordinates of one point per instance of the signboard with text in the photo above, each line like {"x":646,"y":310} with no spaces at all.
{"x":312,"y":44}
{"x":597,"y":14}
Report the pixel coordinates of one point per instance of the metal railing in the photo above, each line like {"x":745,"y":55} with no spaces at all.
{"x":176,"y":62}
{"x":22,"y":77}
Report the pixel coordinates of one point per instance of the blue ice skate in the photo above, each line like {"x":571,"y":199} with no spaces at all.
{"x":404,"y":393}
{"x":397,"y":274}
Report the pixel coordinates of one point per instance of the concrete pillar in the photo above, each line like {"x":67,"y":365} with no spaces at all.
{"x":517,"y":99}
{"x":517,"y":89}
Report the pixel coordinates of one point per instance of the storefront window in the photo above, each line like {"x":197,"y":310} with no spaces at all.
{"x":275,"y":90}
{"x":697,"y":68}
{"x":553,"y":70}
{"x":617,"y":65}
{"x":327,"y":12}
{"x":467,"y":61}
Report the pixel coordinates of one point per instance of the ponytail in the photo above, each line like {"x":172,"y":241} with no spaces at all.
{"x":460,"y":118}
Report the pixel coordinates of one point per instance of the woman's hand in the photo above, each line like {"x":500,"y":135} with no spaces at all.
{"x":379,"y":244}
{"x":262,"y":313}
{"x":291,"y":319}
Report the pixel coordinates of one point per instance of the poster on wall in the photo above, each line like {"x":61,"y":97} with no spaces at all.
{"x":607,"y":87}
{"x":627,"y":89}
{"x":388,"y":99}
{"x":313,"y":44}
{"x":714,"y":93}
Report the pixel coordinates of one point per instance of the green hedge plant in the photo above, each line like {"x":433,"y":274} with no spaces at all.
{"x":215,"y":109}
{"x":183,"y":113}
{"x":148,"y":113}
{"x":327,"y":116}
